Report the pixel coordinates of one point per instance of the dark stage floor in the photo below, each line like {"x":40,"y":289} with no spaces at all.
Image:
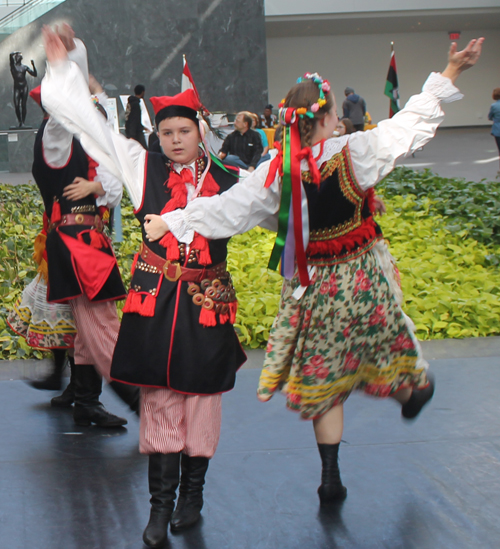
{"x":432,"y":484}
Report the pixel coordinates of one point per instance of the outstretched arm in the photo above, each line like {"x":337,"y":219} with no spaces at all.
{"x":66,"y":97}
{"x":374,"y":152}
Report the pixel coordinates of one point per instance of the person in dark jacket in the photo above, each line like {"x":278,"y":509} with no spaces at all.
{"x":354,"y":108}
{"x":133,"y":125}
{"x":242,"y":148}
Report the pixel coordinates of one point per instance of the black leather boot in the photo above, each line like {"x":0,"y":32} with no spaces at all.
{"x":331,"y":490}
{"x":418,"y":399}
{"x":88,"y":409}
{"x":163,"y":475}
{"x":128,"y":393}
{"x":190,"y":503}
{"x":53,"y":381}
{"x":68,"y":396}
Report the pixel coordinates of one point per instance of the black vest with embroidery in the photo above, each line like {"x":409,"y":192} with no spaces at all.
{"x":155,"y":197}
{"x":64,"y":282}
{"x":341,"y":223}
{"x":162,"y":342}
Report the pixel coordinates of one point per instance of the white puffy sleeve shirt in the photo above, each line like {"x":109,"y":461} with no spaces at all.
{"x":373,"y":155}
{"x":248,"y":203}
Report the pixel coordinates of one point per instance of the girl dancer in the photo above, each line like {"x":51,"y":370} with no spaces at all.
{"x":340,"y":326}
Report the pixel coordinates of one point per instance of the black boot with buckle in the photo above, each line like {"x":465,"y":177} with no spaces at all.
{"x":53,"y":381}
{"x":128,"y":393}
{"x":190,"y":503}
{"x":88,"y":409}
{"x":66,"y":399}
{"x":163,"y":475}
{"x":331,"y":490}
{"x":418,"y":399}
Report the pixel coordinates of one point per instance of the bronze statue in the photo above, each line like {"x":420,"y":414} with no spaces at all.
{"x":18,"y":72}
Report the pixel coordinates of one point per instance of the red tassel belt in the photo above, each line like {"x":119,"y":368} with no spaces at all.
{"x":173,"y":271}
{"x":67,"y":220}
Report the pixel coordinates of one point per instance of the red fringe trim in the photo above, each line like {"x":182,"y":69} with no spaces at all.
{"x":200,"y":243}
{"x":359,"y":236}
{"x":97,"y":240}
{"x":148,"y":306}
{"x":170,"y":243}
{"x":233,"y":307}
{"x":56,"y":212}
{"x":223,"y":318}
{"x":207,"y":317}
{"x":135,"y":304}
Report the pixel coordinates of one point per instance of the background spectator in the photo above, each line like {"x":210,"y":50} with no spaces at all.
{"x":268,"y":119}
{"x":265,"y":144}
{"x":494,"y":115}
{"x":354,"y":108}
{"x":133,"y":124}
{"x":345,"y":126}
{"x":243,"y":147}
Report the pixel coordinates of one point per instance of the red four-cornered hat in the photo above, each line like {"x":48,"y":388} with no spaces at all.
{"x":187,"y":98}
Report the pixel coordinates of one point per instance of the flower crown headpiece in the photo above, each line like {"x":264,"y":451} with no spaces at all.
{"x":324,"y":88}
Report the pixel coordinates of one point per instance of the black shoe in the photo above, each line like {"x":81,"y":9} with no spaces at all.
{"x":332,"y":490}
{"x":190,"y":503}
{"x":128,"y":394}
{"x":163,"y":476}
{"x":98,"y":415}
{"x":88,"y":409}
{"x":418,"y":399}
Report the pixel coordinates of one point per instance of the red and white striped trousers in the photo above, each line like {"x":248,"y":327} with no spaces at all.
{"x":97,"y":328}
{"x":172,"y":422}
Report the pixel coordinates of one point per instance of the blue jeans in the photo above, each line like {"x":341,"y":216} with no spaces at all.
{"x":263,"y":159}
{"x":233,"y":160}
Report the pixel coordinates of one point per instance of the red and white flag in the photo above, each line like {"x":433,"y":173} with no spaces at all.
{"x":187,"y":82}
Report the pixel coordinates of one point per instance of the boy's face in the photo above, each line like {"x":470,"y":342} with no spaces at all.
{"x":179,"y":139}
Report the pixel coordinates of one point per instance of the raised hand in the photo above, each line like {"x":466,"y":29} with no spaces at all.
{"x":67,"y":36}
{"x":459,"y":61}
{"x":54,"y":48}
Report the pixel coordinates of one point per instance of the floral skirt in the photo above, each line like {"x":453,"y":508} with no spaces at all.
{"x":44,"y":325}
{"x":347,"y":332}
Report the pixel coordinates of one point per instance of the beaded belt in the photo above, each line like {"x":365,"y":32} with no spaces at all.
{"x":173,"y":271}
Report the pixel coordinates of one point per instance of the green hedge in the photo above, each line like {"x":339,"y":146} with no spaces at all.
{"x":444,"y":233}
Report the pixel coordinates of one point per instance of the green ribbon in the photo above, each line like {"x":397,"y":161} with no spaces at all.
{"x":286,"y":197}
{"x":217,"y":161}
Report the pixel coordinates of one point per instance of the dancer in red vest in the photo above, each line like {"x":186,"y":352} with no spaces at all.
{"x":82,"y":268}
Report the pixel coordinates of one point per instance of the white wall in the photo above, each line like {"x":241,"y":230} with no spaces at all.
{"x":300,"y":7}
{"x":362,"y":62}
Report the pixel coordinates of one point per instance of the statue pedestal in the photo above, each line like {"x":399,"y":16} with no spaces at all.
{"x":16,"y":150}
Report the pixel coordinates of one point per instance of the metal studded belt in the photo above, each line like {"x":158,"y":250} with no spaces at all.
{"x":173,"y":271}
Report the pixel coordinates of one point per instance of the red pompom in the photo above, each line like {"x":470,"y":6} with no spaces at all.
{"x":207,"y":317}
{"x":56,"y":213}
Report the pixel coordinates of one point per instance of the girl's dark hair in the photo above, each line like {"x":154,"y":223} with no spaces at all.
{"x":496,"y":94}
{"x":305,"y":94}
